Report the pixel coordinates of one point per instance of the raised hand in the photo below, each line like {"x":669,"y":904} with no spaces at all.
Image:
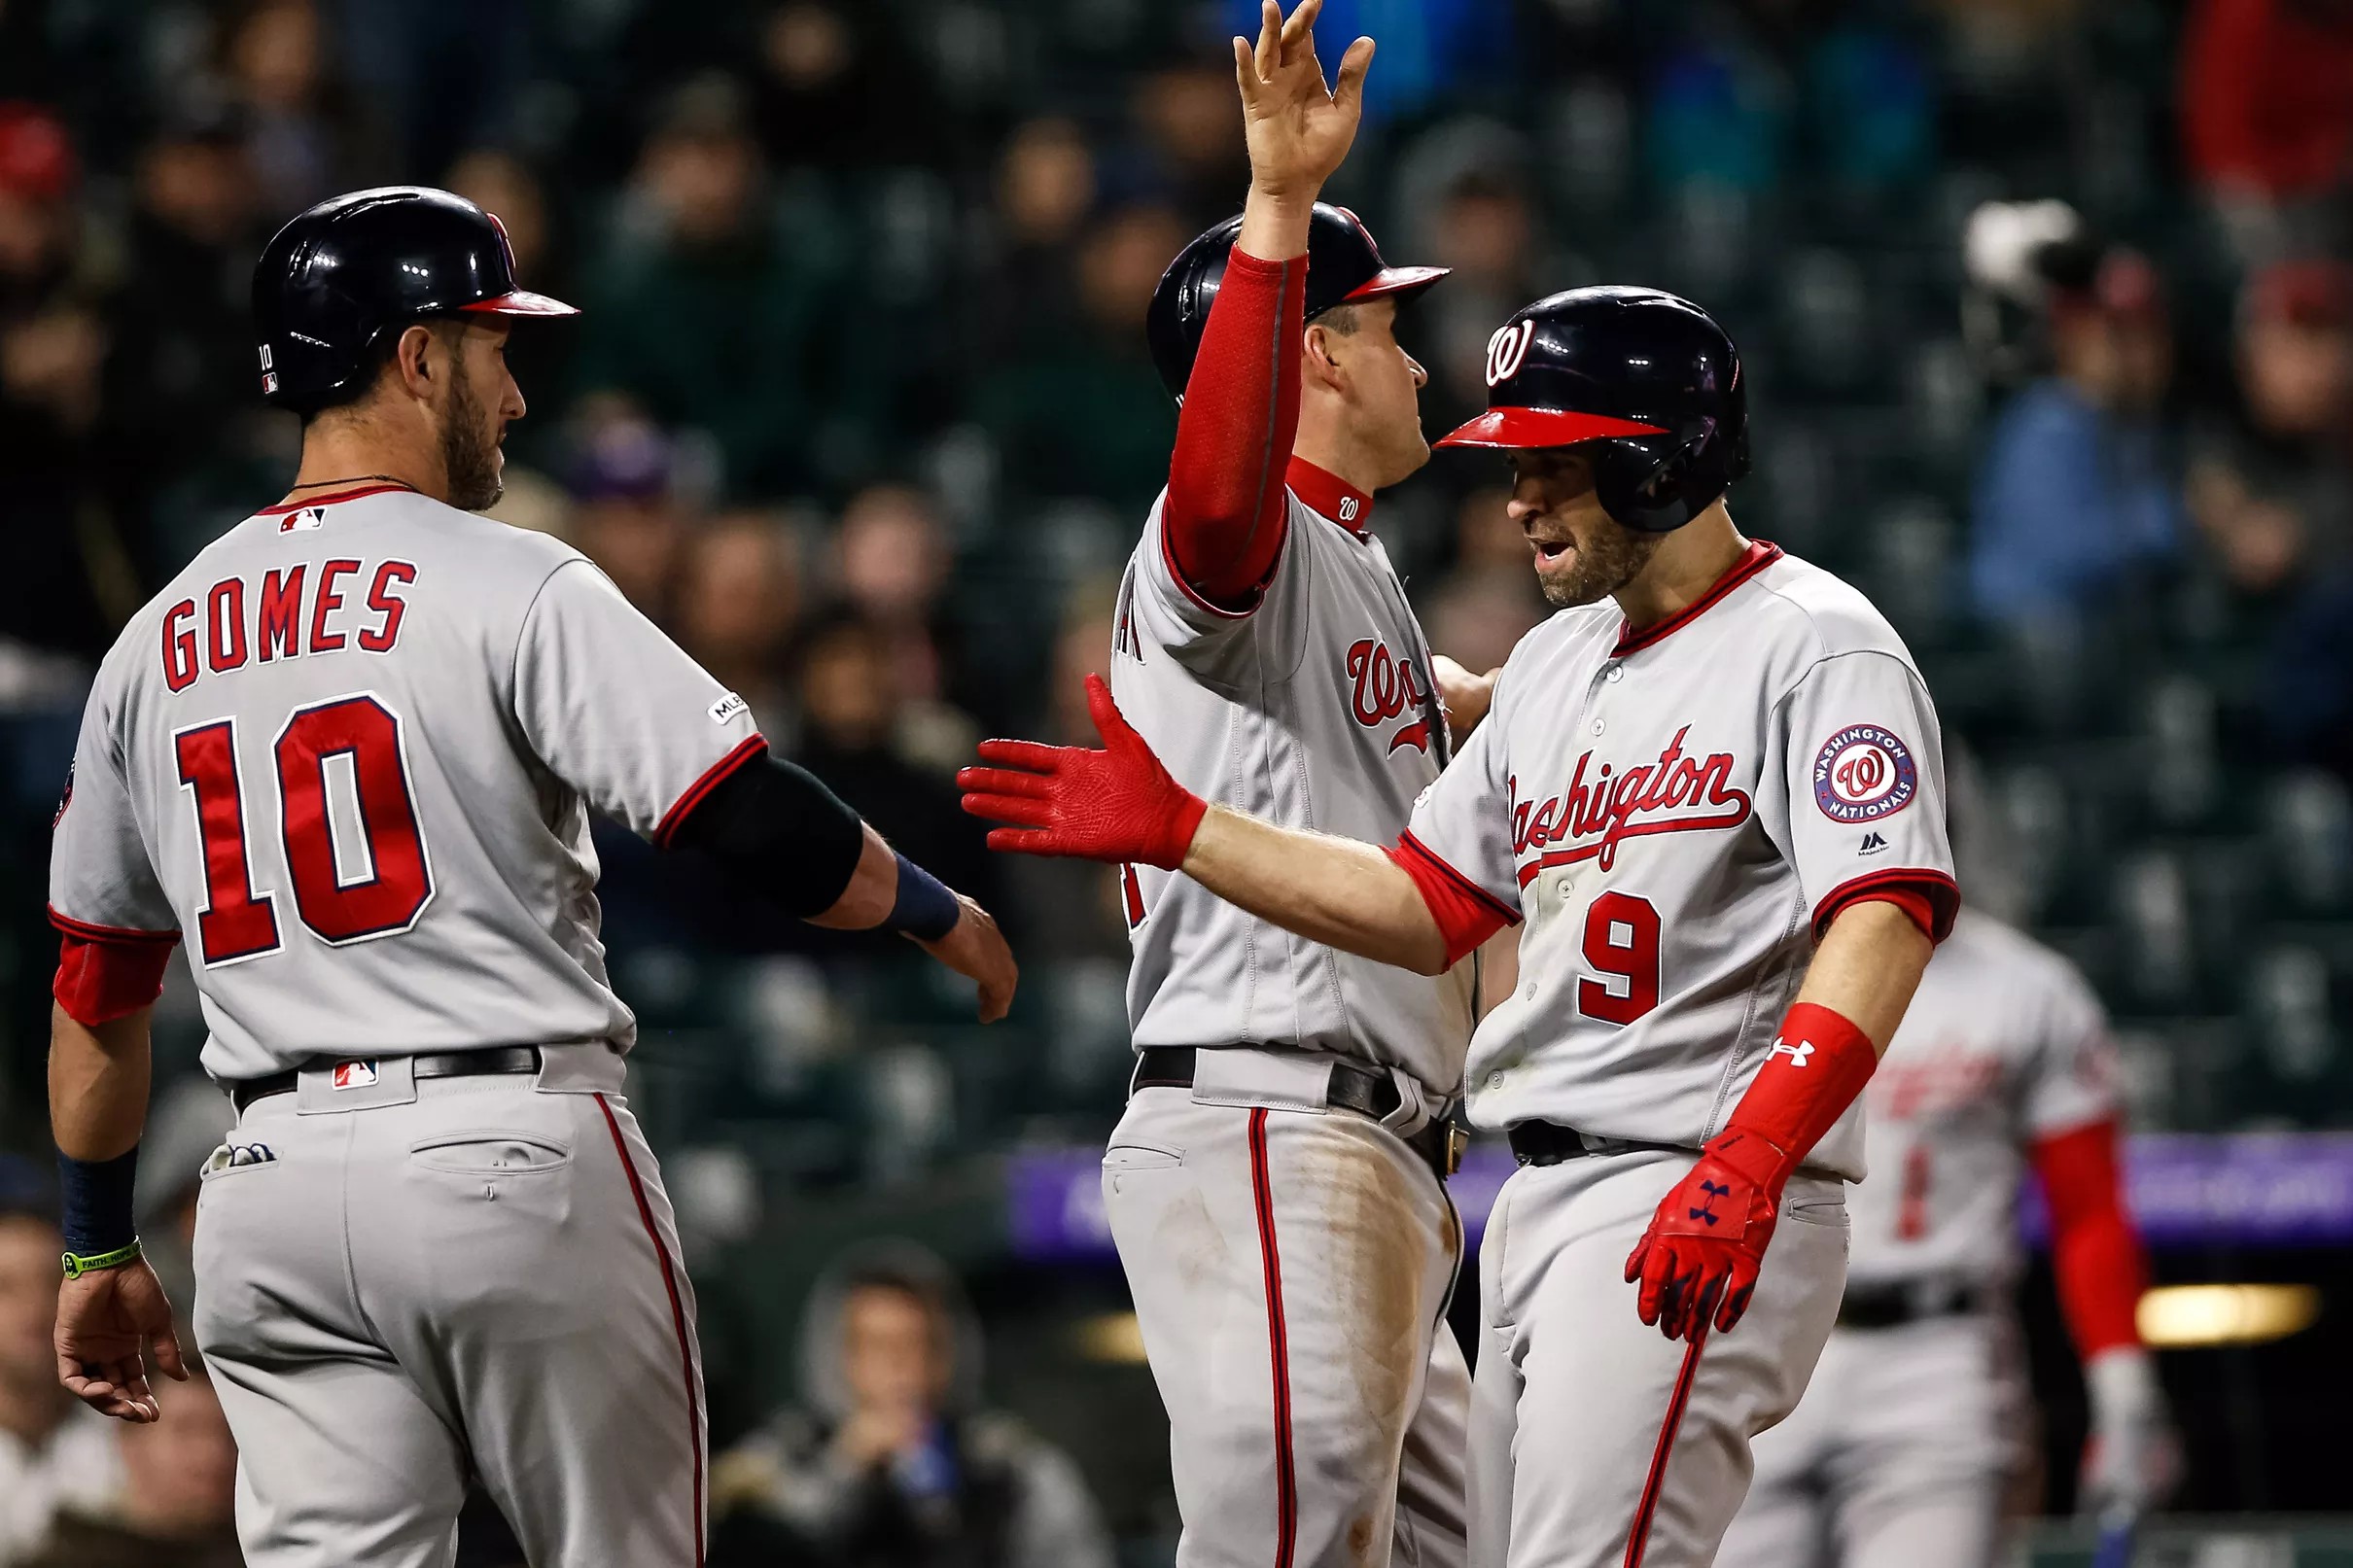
{"x":1297,"y":130}
{"x":1118,"y":804}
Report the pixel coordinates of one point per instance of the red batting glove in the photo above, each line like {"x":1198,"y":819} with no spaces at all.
{"x":1118,"y":804}
{"x":1707,"y":1244}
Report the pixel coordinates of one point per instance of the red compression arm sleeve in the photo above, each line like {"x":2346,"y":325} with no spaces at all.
{"x":1226,"y":510}
{"x":99,"y":982}
{"x":2097,"y":1258}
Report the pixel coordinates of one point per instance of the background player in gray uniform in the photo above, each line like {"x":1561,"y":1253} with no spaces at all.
{"x":1716,"y":806}
{"x":1911,"y":1434}
{"x":1275,"y":1188}
{"x":348,"y":755}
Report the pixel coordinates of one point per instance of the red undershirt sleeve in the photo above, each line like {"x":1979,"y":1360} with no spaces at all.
{"x":99,"y":982}
{"x":2096,"y":1257}
{"x":1930,"y":904}
{"x":1227,"y":508}
{"x":1466,"y":915}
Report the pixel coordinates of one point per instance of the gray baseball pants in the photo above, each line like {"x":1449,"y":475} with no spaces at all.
{"x":1597,"y":1442}
{"x":1901,"y":1454}
{"x":428,"y":1281}
{"x":1290,"y":1267}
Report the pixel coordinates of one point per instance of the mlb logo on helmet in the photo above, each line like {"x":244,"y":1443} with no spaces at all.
{"x":355,"y":1074}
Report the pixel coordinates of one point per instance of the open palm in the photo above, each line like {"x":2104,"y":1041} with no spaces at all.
{"x":1297,"y":130}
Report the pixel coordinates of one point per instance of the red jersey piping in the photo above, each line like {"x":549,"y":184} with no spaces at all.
{"x":334,"y":495}
{"x":1760,"y":555}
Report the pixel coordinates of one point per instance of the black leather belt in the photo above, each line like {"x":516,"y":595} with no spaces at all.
{"x":1368,"y":1093}
{"x":1548,"y":1143}
{"x":1892,"y":1305}
{"x":500,"y":1059}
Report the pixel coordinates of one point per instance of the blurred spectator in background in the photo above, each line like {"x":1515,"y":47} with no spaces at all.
{"x":2267,"y":97}
{"x":739,"y":605}
{"x":1193,"y":140}
{"x":180,"y":381}
{"x":1489,"y":600}
{"x":892,"y":1463}
{"x":55,"y":1451}
{"x":501,"y":184}
{"x":855,"y":735}
{"x":449,"y":75}
{"x":2273,"y":488}
{"x":893,"y":563}
{"x":1045,"y":188}
{"x":1083,"y":413}
{"x":829,"y":88}
{"x":177,"y":1508}
{"x":714,"y":314}
{"x":2077,"y":492}
{"x":307,"y":134}
{"x":630,"y":520}
{"x":1484,"y":228}
{"x":68,"y":576}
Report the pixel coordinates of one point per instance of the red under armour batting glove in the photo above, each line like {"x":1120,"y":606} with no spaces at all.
{"x":1700,"y":1259}
{"x":1118,"y":804}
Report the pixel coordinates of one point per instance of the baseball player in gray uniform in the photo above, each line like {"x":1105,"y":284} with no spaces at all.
{"x":348,"y":755}
{"x":1714,"y":805}
{"x":1909,"y":1441}
{"x":1277,"y":1186}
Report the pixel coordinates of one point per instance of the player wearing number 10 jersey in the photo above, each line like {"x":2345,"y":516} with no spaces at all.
{"x":348,"y":757}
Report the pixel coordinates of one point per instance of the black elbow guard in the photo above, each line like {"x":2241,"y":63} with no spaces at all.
{"x":775,"y":828}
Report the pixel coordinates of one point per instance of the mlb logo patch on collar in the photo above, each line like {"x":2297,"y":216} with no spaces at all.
{"x":304,"y":520}
{"x":355,"y":1074}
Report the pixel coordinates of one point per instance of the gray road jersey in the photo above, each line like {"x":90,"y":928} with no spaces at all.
{"x":349,"y":755}
{"x":1669,"y":813}
{"x":1314,"y":712}
{"x":2004,"y":1045}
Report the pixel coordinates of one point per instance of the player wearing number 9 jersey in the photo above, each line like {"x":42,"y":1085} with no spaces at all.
{"x":1715,"y":807}
{"x":348,"y":757}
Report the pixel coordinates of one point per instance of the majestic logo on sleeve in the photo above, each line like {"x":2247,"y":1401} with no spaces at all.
{"x":1387,"y":687}
{"x":1863,"y":773}
{"x":1678,"y":793}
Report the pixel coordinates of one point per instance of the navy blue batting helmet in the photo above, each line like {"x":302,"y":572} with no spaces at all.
{"x":341,"y":275}
{"x":1646,"y":382}
{"x":1344,"y":267}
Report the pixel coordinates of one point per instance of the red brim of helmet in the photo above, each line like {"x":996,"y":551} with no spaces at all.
{"x":1395,"y":280}
{"x":1542,"y":427}
{"x":521,"y":303}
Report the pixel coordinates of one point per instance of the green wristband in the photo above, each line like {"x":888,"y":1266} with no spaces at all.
{"x":76,"y":1264}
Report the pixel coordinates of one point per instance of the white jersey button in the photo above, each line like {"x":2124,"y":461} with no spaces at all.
{"x":1616,"y":672}
{"x":1597,"y":726}
{"x":1495,"y":1080}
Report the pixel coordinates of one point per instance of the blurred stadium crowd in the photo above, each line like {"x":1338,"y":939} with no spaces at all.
{"x":861,"y":411}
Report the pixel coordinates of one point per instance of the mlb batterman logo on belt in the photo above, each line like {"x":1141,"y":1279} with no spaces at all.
{"x":1863,"y":773}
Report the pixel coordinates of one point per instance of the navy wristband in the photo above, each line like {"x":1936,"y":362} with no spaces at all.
{"x":95,"y":1202}
{"x":924,"y":908}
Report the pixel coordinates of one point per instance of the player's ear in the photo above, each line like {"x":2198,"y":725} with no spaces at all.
{"x":417,"y":359}
{"x":1317,"y":367}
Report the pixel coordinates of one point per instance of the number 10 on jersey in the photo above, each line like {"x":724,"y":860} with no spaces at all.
{"x":377,"y":884}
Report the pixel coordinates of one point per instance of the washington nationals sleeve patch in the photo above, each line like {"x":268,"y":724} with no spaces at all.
{"x":1864,"y":774}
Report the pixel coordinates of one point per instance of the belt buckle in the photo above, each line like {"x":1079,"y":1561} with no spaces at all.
{"x":1457,"y":1138}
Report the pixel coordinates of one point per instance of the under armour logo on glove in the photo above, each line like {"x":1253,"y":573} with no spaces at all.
{"x":1799,"y":1054}
{"x":1707,"y":1205}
